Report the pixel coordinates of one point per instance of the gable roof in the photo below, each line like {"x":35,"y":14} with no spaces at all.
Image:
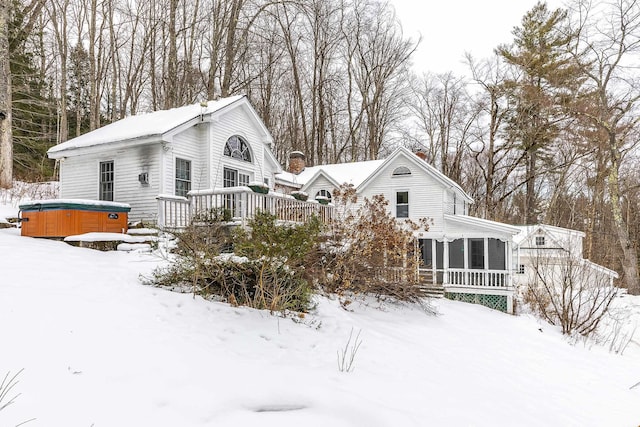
{"x":142,"y":127}
{"x":338,"y":174}
{"x":422,"y":164}
{"x":526,"y":231}
{"x":360,"y":174}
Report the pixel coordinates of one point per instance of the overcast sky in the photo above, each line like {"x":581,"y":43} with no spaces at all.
{"x":449,"y":28}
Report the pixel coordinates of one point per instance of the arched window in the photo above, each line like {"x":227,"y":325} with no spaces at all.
{"x":401,"y":171}
{"x":324,"y":193}
{"x":237,"y":148}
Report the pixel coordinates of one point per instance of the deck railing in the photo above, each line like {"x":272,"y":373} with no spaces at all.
{"x":236,"y":204}
{"x":481,"y":278}
{"x":462,"y":277}
{"x":173,"y":211}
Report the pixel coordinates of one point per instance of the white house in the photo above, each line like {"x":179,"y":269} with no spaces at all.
{"x":162,"y":156}
{"x":176,"y":165}
{"x":554,"y":253}
{"x":471,"y":258}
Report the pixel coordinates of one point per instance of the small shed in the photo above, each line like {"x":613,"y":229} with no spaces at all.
{"x":60,"y":218}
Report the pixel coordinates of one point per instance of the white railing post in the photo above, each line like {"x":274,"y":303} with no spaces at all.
{"x":178,"y":212}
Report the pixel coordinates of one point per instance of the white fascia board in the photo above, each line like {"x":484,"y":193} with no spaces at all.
{"x":92,"y":149}
{"x":483,"y":223}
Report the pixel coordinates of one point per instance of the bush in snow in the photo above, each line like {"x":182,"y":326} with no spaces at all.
{"x":368,"y":251}
{"x":266,"y":269}
{"x":569,"y":292}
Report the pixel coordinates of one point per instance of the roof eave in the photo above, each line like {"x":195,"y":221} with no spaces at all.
{"x":439,"y":176}
{"x":492,"y":225}
{"x":96,"y":148}
{"x":316,"y":176}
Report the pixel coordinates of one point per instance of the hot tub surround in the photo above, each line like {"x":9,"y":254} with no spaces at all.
{"x":59,"y":218}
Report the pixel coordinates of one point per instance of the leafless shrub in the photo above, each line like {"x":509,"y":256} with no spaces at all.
{"x":616,"y":331}
{"x":570,"y":292}
{"x":347,"y":354}
{"x":6,"y":386}
{"x":367,"y":251}
{"x":24,"y":191}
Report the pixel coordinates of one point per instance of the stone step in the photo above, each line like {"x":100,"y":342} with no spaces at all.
{"x":138,"y":247}
{"x":143,"y":232}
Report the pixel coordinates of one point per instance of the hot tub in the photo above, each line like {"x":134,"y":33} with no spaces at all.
{"x":60,"y":218}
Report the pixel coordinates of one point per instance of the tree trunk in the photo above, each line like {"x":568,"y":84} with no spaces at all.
{"x":230,"y":47}
{"x":59,"y":11}
{"x":171,"y":78}
{"x":94,"y":104}
{"x":530,"y":202}
{"x":6,"y":144}
{"x":630,"y":253}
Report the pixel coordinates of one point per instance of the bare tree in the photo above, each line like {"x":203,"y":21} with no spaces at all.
{"x":609,"y":37}
{"x":30,"y":14}
{"x":495,"y":156}
{"x":380,"y":71}
{"x":446,"y":116}
{"x":569,"y":291}
{"x":6,"y":144}
{"x":59,"y":11}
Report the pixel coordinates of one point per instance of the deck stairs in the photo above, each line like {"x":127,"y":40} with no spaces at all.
{"x":433,"y":290}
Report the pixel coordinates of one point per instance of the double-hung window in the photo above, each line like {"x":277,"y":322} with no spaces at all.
{"x":106,"y":181}
{"x":402,"y":204}
{"x":183,"y":177}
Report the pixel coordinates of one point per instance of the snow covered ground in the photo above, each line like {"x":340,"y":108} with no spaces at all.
{"x":98,"y":348}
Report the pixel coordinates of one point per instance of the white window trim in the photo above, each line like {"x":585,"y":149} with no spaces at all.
{"x":100,"y":162}
{"x":175,"y":175}
{"x":238,"y":171}
{"x":408,"y":203}
{"x":249,"y":147}
{"x":329,"y":197}
{"x":403,"y":175}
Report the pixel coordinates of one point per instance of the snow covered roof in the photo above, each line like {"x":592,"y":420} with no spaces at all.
{"x":411,"y":156}
{"x":350,"y":173}
{"x":143,"y":125}
{"x":482,"y":223}
{"x":361,"y":173}
{"x":527,"y":230}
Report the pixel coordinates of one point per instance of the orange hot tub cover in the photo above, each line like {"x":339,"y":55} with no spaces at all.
{"x":62,"y":218}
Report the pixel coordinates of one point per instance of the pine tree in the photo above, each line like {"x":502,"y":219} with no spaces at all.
{"x":546,"y":73}
{"x":33,"y":131}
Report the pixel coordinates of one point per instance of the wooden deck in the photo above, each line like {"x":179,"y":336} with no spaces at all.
{"x":236,"y":204}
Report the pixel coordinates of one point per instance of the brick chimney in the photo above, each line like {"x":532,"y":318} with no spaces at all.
{"x":297,"y":162}
{"x":422,"y":155}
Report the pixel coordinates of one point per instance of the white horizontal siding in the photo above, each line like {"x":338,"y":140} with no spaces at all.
{"x":238,"y":122}
{"x":142,"y":198}
{"x":202,"y":144}
{"x":425,"y":193}
{"x":192,"y":145}
{"x":79,"y":178}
